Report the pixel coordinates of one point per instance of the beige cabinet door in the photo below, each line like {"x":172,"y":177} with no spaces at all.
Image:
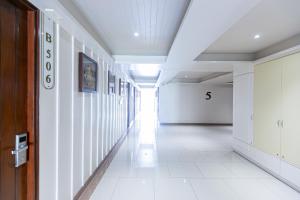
{"x":291,"y":109}
{"x":267,"y":104}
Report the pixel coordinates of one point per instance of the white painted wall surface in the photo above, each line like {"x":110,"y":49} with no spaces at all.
{"x":186,"y":103}
{"x":243,"y":102}
{"x":75,"y":128}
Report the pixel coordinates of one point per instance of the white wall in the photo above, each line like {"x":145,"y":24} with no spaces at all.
{"x":76,"y":130}
{"x":243,"y":102}
{"x":186,"y":103}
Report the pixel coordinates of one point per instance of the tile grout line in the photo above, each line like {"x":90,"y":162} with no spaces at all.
{"x":193,"y":189}
{"x":154,"y":188}
{"x":115,"y":188}
{"x":202,"y":174}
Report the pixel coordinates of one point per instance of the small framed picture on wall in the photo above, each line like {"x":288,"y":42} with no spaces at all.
{"x":87,"y":74}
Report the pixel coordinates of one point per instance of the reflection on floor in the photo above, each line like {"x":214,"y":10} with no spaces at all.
{"x":185,"y":163}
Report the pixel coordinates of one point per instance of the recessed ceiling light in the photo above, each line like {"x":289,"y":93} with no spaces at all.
{"x":257,"y":36}
{"x":136,"y":34}
{"x":186,"y":76}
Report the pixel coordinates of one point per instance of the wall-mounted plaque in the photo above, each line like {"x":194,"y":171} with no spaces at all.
{"x":111,"y":83}
{"x":48,"y":44}
{"x":121,"y":87}
{"x":87,"y":74}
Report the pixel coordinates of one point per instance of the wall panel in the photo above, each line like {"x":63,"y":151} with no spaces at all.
{"x":48,"y":112}
{"x":94,"y":135}
{"x":75,"y":128}
{"x":87,"y":135}
{"x":107,"y":120}
{"x":78,"y":124}
{"x":105,"y":110}
{"x":110,"y":114}
{"x":65,"y":117}
{"x":100,"y":112}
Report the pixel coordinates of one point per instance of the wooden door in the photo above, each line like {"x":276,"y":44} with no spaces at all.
{"x":291,"y":110}
{"x":267,"y":106}
{"x":17,"y":98}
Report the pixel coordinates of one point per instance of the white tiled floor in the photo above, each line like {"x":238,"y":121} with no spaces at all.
{"x":185,"y":163}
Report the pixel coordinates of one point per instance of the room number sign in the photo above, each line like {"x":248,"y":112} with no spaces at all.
{"x":208,"y":96}
{"x":48,"y":60}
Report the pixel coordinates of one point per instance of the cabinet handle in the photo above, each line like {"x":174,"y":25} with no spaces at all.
{"x":282,"y":123}
{"x":278,"y":123}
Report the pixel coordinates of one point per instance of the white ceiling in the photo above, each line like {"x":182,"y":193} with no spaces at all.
{"x":208,"y":25}
{"x":156,"y":21}
{"x":274,"y":20}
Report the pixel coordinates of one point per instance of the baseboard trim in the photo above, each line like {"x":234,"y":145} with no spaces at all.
{"x":198,"y":124}
{"x":275,"y":175}
{"x":264,"y":166}
{"x":90,"y":185}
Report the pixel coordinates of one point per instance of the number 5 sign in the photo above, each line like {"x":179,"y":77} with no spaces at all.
{"x":48,"y":61}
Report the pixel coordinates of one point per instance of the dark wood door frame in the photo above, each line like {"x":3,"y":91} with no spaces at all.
{"x":33,"y":97}
{"x":33,"y":90}
{"x":32,"y":19}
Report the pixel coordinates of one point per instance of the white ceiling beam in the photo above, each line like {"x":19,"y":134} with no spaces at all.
{"x":220,"y":79}
{"x":226,"y":57}
{"x":204,"y":22}
{"x":289,"y":43}
{"x":169,"y":73}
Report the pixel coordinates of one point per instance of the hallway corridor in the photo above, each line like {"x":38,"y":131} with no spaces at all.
{"x":149,"y":100}
{"x":185,"y":163}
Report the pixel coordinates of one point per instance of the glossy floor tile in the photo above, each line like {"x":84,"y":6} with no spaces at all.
{"x":185,"y":162}
{"x":134,"y":189}
{"x":175,"y":189}
{"x":213,"y":189}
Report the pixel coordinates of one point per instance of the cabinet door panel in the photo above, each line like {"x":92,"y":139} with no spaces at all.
{"x":291,"y":109}
{"x":267,"y":106}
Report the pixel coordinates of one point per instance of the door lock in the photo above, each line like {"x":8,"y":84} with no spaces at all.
{"x":20,"y":151}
